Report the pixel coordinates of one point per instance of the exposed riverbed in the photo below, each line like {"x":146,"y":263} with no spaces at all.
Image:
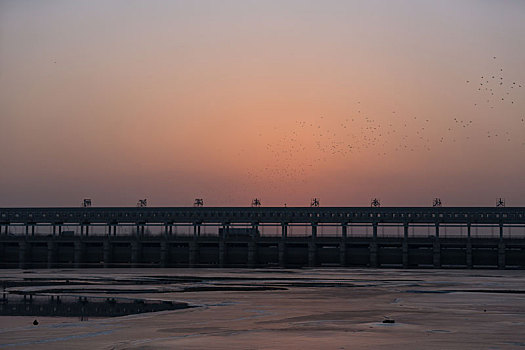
{"x":268,"y":309}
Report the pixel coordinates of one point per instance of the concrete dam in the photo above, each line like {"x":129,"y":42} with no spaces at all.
{"x":378,"y":237}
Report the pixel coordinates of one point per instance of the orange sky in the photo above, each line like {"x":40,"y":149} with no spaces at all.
{"x":285,"y":101}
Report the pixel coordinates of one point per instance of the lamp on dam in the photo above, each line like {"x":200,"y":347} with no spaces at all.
{"x":199,"y":202}
{"x":256,"y":202}
{"x":436,"y":202}
{"x":375,"y":203}
{"x":86,"y":203}
{"x":500,"y":202}
{"x":314,"y":202}
{"x":142,"y":203}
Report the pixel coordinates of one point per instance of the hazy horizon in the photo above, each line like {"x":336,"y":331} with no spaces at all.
{"x":280,"y":100}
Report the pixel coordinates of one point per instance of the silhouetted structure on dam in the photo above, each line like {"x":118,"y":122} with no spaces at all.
{"x":408,"y":237}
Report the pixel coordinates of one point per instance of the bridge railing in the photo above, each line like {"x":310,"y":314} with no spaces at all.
{"x":263,"y":230}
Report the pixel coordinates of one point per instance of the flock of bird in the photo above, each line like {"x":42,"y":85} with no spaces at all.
{"x":310,"y":143}
{"x":493,"y":88}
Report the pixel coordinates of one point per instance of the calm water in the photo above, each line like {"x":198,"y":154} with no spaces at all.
{"x":281,"y":309}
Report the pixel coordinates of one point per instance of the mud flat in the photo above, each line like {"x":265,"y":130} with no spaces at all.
{"x":269,"y":309}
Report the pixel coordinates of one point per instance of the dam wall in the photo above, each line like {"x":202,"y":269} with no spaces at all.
{"x":263,"y":237}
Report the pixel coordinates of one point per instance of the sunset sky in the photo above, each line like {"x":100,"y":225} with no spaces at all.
{"x":281,"y":100}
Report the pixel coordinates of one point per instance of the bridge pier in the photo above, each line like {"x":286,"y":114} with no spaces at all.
{"x":252,"y":253}
{"x":164,"y":252}
{"x":405,"y":246}
{"x":312,"y":247}
{"x":78,"y":254}
{"x":197,"y":230}
{"x":135,"y":253}
{"x":222,"y":244}
{"x":252,"y":247}
{"x":281,"y":246}
{"x":436,"y":250}
{"x":51,"y":254}
{"x":22,"y":254}
{"x":342,"y":246}
{"x":373,"y":247}
{"x":501,"y":255}
{"x":469,"y":247}
{"x":107,"y":252}
{"x":193,"y":259}
{"x":222,"y":253}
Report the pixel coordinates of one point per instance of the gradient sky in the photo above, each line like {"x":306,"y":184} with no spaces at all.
{"x":281,"y":100}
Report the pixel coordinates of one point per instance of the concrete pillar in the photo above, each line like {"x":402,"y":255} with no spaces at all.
{"x":373,"y":254}
{"x":222,"y":253}
{"x":436,"y":250}
{"x":342,"y":246}
{"x":284,"y":231}
{"x":312,"y":247}
{"x":500,"y":231}
{"x":138,"y":230}
{"x":166,"y":230}
{"x":194,"y":253}
{"x":54,"y":230}
{"x":469,"y":247}
{"x":22,"y":255}
{"x":373,"y":247}
{"x":81,"y":230}
{"x":501,"y":254}
{"x":282,"y":253}
{"x":32,"y":229}
{"x":252,"y":247}
{"x":60,"y":230}
{"x":222,"y":244}
{"x":107,"y":252}
{"x":196,"y":229}
{"x":282,"y":245}
{"x":135,"y":253}
{"x":143,"y":230}
{"x":405,"y":246}
{"x":312,"y":253}
{"x":164,"y":253}
{"x":27,"y":230}
{"x":252,"y":253}
{"x":171,"y":229}
{"x":79,"y":254}
{"x":51,"y":254}
{"x":87,"y":230}
{"x":469,"y":254}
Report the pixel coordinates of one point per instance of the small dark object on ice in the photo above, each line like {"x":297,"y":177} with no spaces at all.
{"x":35,"y":323}
{"x":387,"y":320}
